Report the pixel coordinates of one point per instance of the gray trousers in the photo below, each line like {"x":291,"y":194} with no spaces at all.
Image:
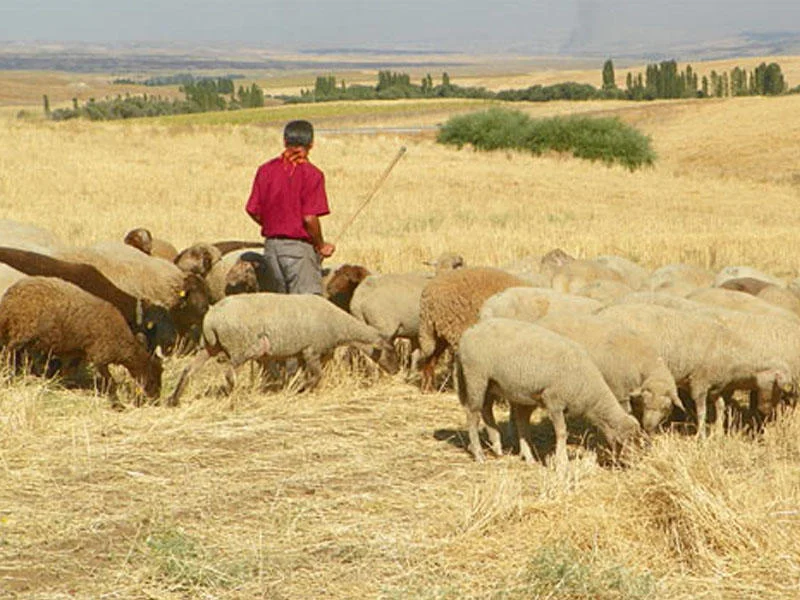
{"x":293,"y":267}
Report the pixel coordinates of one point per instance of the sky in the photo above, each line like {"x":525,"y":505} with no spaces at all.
{"x":464,"y":25}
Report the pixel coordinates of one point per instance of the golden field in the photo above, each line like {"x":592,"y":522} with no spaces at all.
{"x":363,"y":488}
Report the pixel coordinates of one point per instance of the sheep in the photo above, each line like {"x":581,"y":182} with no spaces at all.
{"x":449,"y":304}
{"x":740,"y":272}
{"x":774,"y":294}
{"x":25,"y":236}
{"x":679,"y":279}
{"x":532,"y":366}
{"x":200,"y":258}
{"x":340,"y":285}
{"x":151,"y":320}
{"x":141,"y":239}
{"x":185,"y":295}
{"x":579,"y":273}
{"x":604,"y":291}
{"x":530,"y":303}
{"x":247,"y":275}
{"x":447,"y":261}
{"x":553,"y":260}
{"x":54,"y":317}
{"x":263,"y":327}
{"x":659,"y":299}
{"x":633,"y":274}
{"x":631,"y":367}
{"x":703,"y":355}
{"x":740,"y":301}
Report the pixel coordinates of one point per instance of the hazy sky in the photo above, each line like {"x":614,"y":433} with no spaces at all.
{"x":449,"y":24}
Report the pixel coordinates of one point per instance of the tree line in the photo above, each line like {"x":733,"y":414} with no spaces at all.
{"x":666,"y":80}
{"x":200,"y":95}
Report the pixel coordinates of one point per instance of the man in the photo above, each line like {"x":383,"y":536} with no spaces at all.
{"x":287,"y":200}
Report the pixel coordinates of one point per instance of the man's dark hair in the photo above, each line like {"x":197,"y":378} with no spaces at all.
{"x":298,"y":133}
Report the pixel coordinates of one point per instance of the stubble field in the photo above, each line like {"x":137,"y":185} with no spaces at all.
{"x":363,"y":488}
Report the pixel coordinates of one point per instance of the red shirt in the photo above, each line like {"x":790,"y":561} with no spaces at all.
{"x":283,"y":194}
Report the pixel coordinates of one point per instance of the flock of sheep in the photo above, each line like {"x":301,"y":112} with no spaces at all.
{"x":605,"y":338}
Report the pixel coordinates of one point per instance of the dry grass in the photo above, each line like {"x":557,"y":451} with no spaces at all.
{"x":363,"y":488}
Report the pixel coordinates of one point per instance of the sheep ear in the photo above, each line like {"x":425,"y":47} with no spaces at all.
{"x":139,"y":312}
{"x":676,"y":402}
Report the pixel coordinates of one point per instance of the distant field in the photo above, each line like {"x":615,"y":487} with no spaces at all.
{"x":363,"y":489}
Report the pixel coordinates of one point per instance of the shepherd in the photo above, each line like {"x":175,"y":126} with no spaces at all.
{"x":287,"y":200}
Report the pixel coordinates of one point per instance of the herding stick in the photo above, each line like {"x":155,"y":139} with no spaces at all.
{"x":372,"y":194}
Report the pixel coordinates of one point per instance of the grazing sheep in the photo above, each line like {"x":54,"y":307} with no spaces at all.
{"x":141,"y":239}
{"x":25,"y":236}
{"x":54,"y":317}
{"x":659,"y":299}
{"x":553,"y":260}
{"x":447,"y":261}
{"x":531,"y":366}
{"x":201,"y":257}
{"x":449,"y":304}
{"x":247,"y":275}
{"x":604,"y":291}
{"x":342,"y":283}
{"x":703,"y":355}
{"x":631,"y":367}
{"x":198,"y":259}
{"x":741,"y":272}
{"x":530,"y":303}
{"x":632,"y":274}
{"x":185,"y":295}
{"x":151,"y":320}
{"x":774,"y":294}
{"x":740,"y":301}
{"x":679,"y":279}
{"x":576,"y":274}
{"x":263,"y":327}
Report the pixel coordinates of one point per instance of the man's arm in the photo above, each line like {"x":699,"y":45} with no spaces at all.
{"x":314,"y":229}
{"x":253,"y":206}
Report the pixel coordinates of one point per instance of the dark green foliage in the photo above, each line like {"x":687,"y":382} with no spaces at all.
{"x":177,"y":79}
{"x":609,"y":79}
{"x":605,"y":139}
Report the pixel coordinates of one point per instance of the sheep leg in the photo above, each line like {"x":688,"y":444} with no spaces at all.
{"x":721,"y":402}
{"x":313,"y":366}
{"x":106,"y":385}
{"x":429,"y":366}
{"x":492,"y":430}
{"x":196,"y":363}
{"x":699,"y":395}
{"x":560,"y":427}
{"x":522,"y":419}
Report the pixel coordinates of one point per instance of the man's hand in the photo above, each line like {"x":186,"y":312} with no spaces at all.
{"x":326,"y":250}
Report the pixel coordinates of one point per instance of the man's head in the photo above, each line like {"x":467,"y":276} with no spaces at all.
{"x":298,"y":133}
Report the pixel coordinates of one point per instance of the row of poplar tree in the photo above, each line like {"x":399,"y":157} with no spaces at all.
{"x":666,"y":80}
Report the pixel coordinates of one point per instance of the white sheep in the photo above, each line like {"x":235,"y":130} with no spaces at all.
{"x":740,"y":301}
{"x":703,"y":355}
{"x":740,"y":272}
{"x":630,"y":365}
{"x":263,"y":327}
{"x":633,"y":274}
{"x":679,"y":279}
{"x":604,"y":291}
{"x":26,"y":236}
{"x":576,"y":274}
{"x":531,"y":366}
{"x":530,"y":303}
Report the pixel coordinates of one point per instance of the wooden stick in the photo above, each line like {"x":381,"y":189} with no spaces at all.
{"x":372,"y":194}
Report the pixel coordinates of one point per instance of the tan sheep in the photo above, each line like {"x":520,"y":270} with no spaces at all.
{"x":604,"y":291}
{"x":141,"y":239}
{"x":679,"y":279}
{"x":633,"y":274}
{"x":54,"y":317}
{"x":740,"y":272}
{"x":704,"y":356}
{"x":531,"y":366}
{"x":576,"y":274}
{"x":265,"y":327}
{"x":531,"y":303}
{"x":449,"y":304}
{"x":740,"y":301}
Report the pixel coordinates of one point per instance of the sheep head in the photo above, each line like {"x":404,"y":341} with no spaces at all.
{"x":192,"y":303}
{"x":141,"y":239}
{"x":343,"y":283}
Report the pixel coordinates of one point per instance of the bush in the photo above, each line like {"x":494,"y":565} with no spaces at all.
{"x":605,"y":139}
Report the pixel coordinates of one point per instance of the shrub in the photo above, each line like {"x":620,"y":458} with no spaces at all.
{"x":606,"y":139}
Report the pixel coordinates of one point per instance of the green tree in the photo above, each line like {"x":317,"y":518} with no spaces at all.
{"x":609,"y":78}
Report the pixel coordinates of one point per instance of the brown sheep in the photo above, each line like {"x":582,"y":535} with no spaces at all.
{"x":151,"y":320}
{"x":54,"y":317}
{"x":141,"y":239}
{"x":449,"y":304}
{"x":339,"y":287}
